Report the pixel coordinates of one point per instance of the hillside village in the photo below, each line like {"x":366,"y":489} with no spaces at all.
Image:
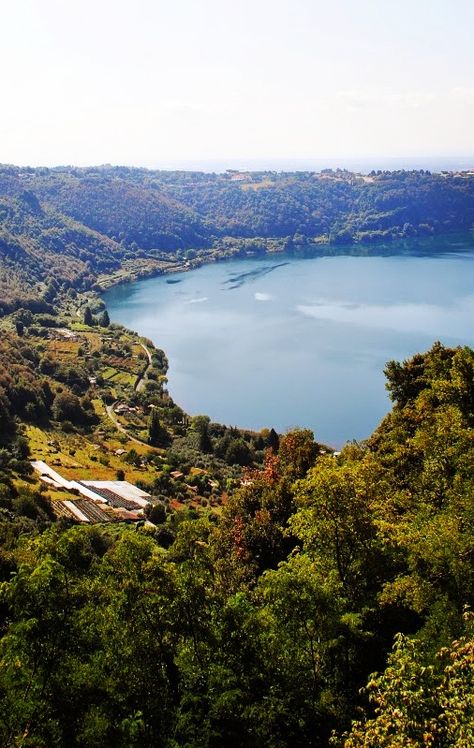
{"x":113,"y":446}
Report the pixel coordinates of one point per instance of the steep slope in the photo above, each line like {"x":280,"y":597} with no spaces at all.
{"x":38,"y":244}
{"x":76,"y":224}
{"x":125,"y":210}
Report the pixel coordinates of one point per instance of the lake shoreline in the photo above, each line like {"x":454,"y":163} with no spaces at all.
{"x":248,"y":342}
{"x":156,"y":267}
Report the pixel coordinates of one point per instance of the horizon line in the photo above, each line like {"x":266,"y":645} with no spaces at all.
{"x":280,"y":164}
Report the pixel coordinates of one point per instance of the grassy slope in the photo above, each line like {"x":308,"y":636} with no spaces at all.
{"x":116,"y":359}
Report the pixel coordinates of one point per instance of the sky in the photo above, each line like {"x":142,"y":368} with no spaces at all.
{"x":169,"y":83}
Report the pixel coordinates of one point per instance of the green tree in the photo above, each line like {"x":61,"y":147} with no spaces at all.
{"x":156,"y":513}
{"x":337,"y":521}
{"x":157,"y":434}
{"x":200,"y":425}
{"x":419,"y":703}
{"x":104,"y":319}
{"x":67,"y":407}
{"x":238,"y":453}
{"x":312,"y":638}
{"x":273,"y":440}
{"x":297,"y":452}
{"x":88,"y":318}
{"x":114,"y":644}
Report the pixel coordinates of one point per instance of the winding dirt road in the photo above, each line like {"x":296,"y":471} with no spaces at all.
{"x":142,"y":378}
{"x":139,"y":385}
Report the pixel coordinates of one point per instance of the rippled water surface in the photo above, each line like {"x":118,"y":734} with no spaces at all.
{"x":282,"y":341}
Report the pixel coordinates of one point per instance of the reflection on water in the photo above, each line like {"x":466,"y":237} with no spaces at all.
{"x":236,"y":281}
{"x":430,"y":319}
{"x":313,"y":354}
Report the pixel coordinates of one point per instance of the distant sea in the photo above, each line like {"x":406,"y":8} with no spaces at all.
{"x":362,"y":165}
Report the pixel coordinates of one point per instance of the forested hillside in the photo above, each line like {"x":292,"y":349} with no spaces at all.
{"x":39,"y":246}
{"x":100,"y":218}
{"x":269,"y":592}
{"x":258,"y":623}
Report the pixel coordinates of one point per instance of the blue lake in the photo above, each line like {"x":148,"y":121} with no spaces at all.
{"x":283,"y":342}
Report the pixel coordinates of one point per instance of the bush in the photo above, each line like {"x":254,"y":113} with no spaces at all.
{"x":67,"y":407}
{"x":156,"y":513}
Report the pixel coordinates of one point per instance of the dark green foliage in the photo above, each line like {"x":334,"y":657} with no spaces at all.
{"x":46,"y":320}
{"x":74,"y":224}
{"x":238,"y":453}
{"x":88,"y":318}
{"x":156,"y":513}
{"x":419,"y":702}
{"x":22,"y":392}
{"x":254,"y":620}
{"x":273,"y":440}
{"x":104,"y":319}
{"x":200,"y":425}
{"x":68,"y":408}
{"x":132,"y":457}
{"x":157,"y":434}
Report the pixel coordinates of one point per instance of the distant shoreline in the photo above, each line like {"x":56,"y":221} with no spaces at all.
{"x":326,"y":275}
{"x":362,"y":165}
{"x":412,"y":246}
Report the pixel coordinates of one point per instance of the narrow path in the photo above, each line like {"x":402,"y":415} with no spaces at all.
{"x":139,"y":385}
{"x":109,"y":409}
{"x":142,"y":378}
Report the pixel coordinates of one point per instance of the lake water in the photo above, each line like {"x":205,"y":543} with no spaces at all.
{"x":284,"y":342}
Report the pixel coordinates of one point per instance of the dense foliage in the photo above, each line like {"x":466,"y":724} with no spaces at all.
{"x":22,"y":392}
{"x":277,"y":579}
{"x":261,"y":629}
{"x":76,"y":224}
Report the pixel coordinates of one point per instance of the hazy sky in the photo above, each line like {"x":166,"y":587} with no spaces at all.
{"x":155,"y":82}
